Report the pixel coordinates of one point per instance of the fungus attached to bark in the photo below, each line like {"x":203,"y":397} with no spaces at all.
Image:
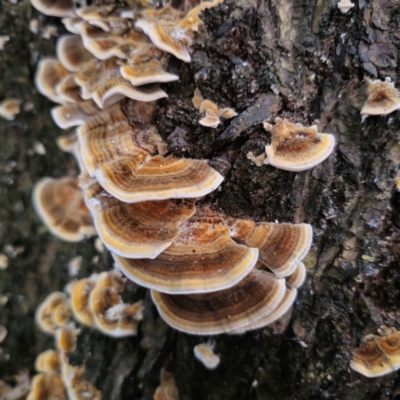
{"x":382,"y":99}
{"x":112,"y":316}
{"x":71,"y":53}
{"x":49,"y":74}
{"x":60,"y":205}
{"x":79,"y":300}
{"x":160,"y":178}
{"x":378,"y":355}
{"x":136,"y":230}
{"x":53,"y":313}
{"x":202,"y":259}
{"x":55,"y":8}
{"x":9,"y":108}
{"x":167,"y":389}
{"x":204,"y":352}
{"x":66,"y":339}
{"x":47,"y":362}
{"x":295,"y":147}
{"x":229,"y":310}
{"x":281,"y":246}
{"x":70,"y":115}
{"x":47,"y":386}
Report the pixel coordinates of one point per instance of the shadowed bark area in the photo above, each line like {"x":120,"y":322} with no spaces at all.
{"x":296,"y":59}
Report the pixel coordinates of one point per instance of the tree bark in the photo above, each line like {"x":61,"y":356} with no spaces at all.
{"x":296,"y":59}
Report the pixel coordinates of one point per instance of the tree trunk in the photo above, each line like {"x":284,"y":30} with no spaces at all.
{"x":296,"y":59}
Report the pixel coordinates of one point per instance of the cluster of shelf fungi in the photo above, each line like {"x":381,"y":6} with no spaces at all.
{"x":208,"y":273}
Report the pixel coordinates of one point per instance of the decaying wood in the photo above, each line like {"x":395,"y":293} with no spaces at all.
{"x":300,"y":60}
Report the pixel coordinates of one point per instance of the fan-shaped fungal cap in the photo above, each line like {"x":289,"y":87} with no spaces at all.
{"x":378,"y":355}
{"x":78,"y":388}
{"x":158,"y":179}
{"x":60,"y":205}
{"x":383,"y":99}
{"x":146,"y":72}
{"x":75,"y":114}
{"x":114,"y":317}
{"x":68,"y":90}
{"x":53,"y":313}
{"x":47,"y":362}
{"x":167,"y":389}
{"x":49,"y":74}
{"x":297,"y":148}
{"x":253,"y":298}
{"x":106,"y":86}
{"x":47,"y":386}
{"x":9,"y":108}
{"x":202,"y":259}
{"x":71,"y":52}
{"x":109,"y":136}
{"x":137,"y":230}
{"x":281,"y":246}
{"x":211,"y":111}
{"x":345,"y":5}
{"x":298,"y":277}
{"x":66,"y":339}
{"x":79,"y":300}
{"x":55,"y":8}
{"x":282,"y":308}
{"x":204,"y":352}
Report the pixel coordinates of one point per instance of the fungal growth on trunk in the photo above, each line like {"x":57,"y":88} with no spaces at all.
{"x":9,"y":108}
{"x":382,"y":99}
{"x":378,"y":355}
{"x":295,"y":147}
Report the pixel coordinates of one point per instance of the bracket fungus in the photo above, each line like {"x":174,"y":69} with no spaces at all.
{"x":167,"y":389}
{"x":295,"y":147}
{"x":112,"y":316}
{"x":55,"y":8}
{"x":202,"y":259}
{"x":382,"y":99}
{"x":9,"y":108}
{"x":281,"y":246}
{"x":137,"y":230}
{"x":378,"y":355}
{"x":61,"y":207}
{"x":66,"y":339}
{"x":53,"y":313}
{"x":47,"y":386}
{"x":48,"y":362}
{"x":225,"y":311}
{"x":204,"y":352}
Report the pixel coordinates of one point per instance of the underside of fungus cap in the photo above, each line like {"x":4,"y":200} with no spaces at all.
{"x":53,"y":313}
{"x":55,"y":8}
{"x":253,"y":298}
{"x":47,"y":386}
{"x":70,"y":115}
{"x":80,"y":300}
{"x":47,"y":362}
{"x":298,"y":277}
{"x":202,"y":259}
{"x":281,"y":246}
{"x":49,"y":74}
{"x":383,"y":99}
{"x":71,"y":52}
{"x":60,"y":205}
{"x":378,"y":355}
{"x":112,"y":316}
{"x":297,"y":148}
{"x":137,"y":230}
{"x":158,"y":179}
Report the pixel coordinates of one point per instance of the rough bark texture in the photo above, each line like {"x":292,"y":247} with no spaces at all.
{"x":303,"y":60}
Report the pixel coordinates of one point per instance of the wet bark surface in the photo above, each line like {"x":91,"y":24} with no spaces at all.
{"x":296,"y":59}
